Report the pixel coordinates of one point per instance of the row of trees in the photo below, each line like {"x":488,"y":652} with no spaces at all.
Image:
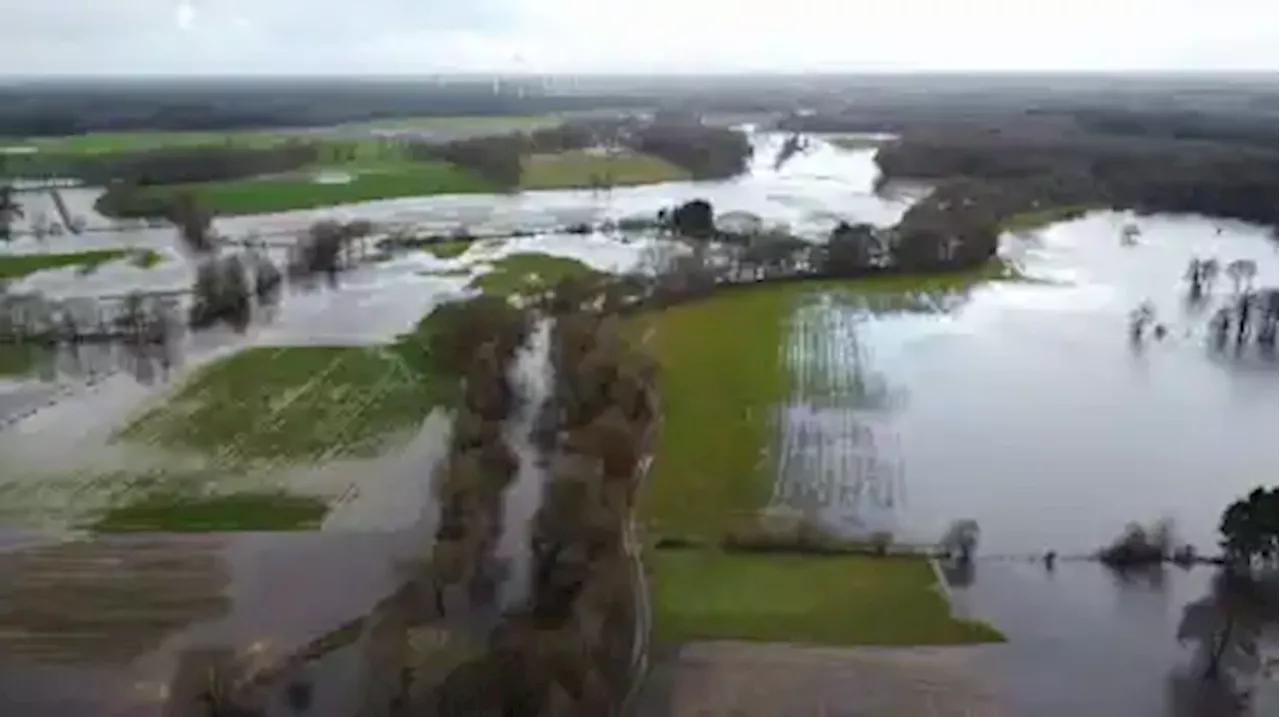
{"x":1231,"y":181}
{"x":706,"y":152}
{"x":569,"y":651}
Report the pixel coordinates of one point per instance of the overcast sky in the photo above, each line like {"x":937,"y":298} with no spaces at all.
{"x":45,"y":37}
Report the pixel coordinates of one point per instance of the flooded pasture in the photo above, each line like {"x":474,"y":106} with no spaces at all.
{"x":1022,"y":405}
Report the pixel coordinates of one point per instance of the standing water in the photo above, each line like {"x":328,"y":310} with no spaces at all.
{"x":531,"y":375}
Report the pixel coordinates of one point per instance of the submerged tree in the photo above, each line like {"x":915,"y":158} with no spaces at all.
{"x":221,"y":294}
{"x":10,"y":210}
{"x":194,"y":222}
{"x":960,"y":541}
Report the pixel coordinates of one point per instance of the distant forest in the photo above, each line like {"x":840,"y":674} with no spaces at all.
{"x":58,"y":109}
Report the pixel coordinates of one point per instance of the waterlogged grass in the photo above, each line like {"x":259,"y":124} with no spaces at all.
{"x":448,"y":249}
{"x":19,"y":360}
{"x":858,"y":142}
{"x":576,"y":169}
{"x":526,"y":274}
{"x":239,"y":511}
{"x":722,"y":376}
{"x":845,"y":600}
{"x":297,"y":403}
{"x":301,"y":191}
{"x":146,"y":258}
{"x":16,"y":266}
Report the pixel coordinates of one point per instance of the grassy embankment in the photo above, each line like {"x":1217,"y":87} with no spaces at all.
{"x":722,"y":376}
{"x":16,"y":266}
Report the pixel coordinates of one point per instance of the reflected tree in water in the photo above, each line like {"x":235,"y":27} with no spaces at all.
{"x":1226,"y":628}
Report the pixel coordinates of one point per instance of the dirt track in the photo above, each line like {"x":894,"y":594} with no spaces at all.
{"x":742,"y":679}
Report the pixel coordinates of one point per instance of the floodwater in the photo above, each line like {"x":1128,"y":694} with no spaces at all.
{"x":531,"y":374}
{"x":1023,"y":406}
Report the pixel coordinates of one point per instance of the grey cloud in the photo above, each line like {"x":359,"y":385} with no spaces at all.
{"x":143,"y":36}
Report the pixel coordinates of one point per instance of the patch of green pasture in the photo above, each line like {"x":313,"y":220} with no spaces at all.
{"x":297,"y":403}
{"x":19,"y":360}
{"x":275,"y":194}
{"x":234,"y":512}
{"x":580,"y":168}
{"x":828,"y":600}
{"x":14,"y":266}
{"x":448,"y":249}
{"x":98,"y":143}
{"x":847,"y":142}
{"x":524,"y":274}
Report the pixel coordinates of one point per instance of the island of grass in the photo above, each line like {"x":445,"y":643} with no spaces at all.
{"x":726,"y":368}
{"x":296,"y":404}
{"x":16,"y":266}
{"x":586,"y":168}
{"x":527,"y":274}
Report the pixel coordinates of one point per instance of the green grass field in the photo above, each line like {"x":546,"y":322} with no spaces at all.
{"x":847,"y":600}
{"x":294,"y":404}
{"x":527,"y":274}
{"x":108,"y":142}
{"x":301,"y":191}
{"x":568,"y":170}
{"x":448,"y":249}
{"x":239,"y":511}
{"x":16,"y":266}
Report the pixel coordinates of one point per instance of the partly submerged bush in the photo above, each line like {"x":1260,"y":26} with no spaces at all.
{"x":1140,"y":546}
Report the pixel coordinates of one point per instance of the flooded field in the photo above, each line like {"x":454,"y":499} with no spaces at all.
{"x":1022,"y":405}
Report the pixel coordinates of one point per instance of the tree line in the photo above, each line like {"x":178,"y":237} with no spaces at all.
{"x":54,"y":109}
{"x":1236,"y":182}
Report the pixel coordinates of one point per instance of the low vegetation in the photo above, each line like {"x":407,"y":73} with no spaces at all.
{"x":582,"y":168}
{"x":299,"y":403}
{"x":447,"y":249}
{"x":16,"y":266}
{"x":528,"y":274}
{"x":846,"y":600}
{"x":235,"y":512}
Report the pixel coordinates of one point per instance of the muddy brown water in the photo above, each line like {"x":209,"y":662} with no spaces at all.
{"x":1023,"y":406}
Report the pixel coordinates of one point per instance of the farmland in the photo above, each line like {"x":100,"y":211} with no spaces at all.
{"x":768,"y":397}
{"x":852,"y":600}
{"x":567,"y":170}
{"x":292,"y":404}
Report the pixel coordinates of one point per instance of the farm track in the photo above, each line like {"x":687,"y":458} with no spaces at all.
{"x":740,"y":679}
